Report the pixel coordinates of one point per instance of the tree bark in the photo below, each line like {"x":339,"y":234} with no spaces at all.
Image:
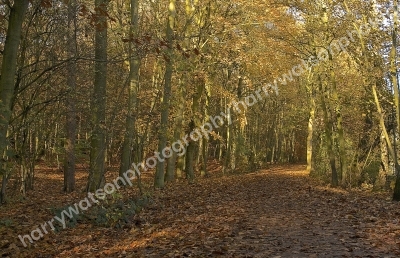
{"x":129,"y":143}
{"x":69,"y":162}
{"x":310,"y":136}
{"x":339,"y":125}
{"x":7,"y":79}
{"x":329,"y":136}
{"x":162,"y":138}
{"x":190,"y":153}
{"x":172,"y":166}
{"x":395,"y":84}
{"x":385,"y":134}
{"x":98,"y":112}
{"x":380,"y":181}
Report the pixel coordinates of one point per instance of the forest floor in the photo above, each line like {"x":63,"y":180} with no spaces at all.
{"x":277,"y":212}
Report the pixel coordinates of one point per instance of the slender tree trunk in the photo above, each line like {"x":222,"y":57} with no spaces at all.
{"x":7,"y":79}
{"x":395,"y":83}
{"x":134,"y":66}
{"x":69,"y":162}
{"x":339,"y":125}
{"x":310,"y":136}
{"x":170,"y":174}
{"x":220,"y":143}
{"x":329,"y":136}
{"x":205,"y":150}
{"x":328,"y":119}
{"x":380,"y":181}
{"x":384,"y":130}
{"x":180,"y":160}
{"x":228,"y":141}
{"x":162,"y":140}
{"x":189,"y":168}
{"x":98,"y":112}
{"x":190,"y":154}
{"x":180,"y":166}
{"x":31,"y":158}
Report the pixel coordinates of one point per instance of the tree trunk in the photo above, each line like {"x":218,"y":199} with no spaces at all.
{"x":129,"y":143}
{"x":162,"y":138}
{"x":205,"y":149}
{"x":228,"y":141}
{"x":389,"y":144}
{"x":172,"y":166}
{"x":329,"y":136}
{"x":339,"y":125}
{"x":8,"y":69}
{"x":190,"y":154}
{"x":310,"y":136}
{"x":189,"y":168}
{"x":98,"y":112}
{"x":395,"y":84}
{"x":380,"y":181}
{"x":69,"y":162}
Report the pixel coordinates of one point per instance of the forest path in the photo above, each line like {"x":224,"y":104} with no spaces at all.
{"x":278,"y":212}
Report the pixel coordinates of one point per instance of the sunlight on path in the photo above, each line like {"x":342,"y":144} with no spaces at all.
{"x":271,"y":213}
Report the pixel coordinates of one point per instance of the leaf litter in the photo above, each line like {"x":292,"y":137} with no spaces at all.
{"x":277,"y":212}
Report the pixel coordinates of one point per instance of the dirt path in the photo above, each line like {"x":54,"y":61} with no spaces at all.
{"x":272,"y":213}
{"x":279,"y":212}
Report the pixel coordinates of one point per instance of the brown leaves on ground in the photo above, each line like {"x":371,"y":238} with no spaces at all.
{"x":279,"y":212}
